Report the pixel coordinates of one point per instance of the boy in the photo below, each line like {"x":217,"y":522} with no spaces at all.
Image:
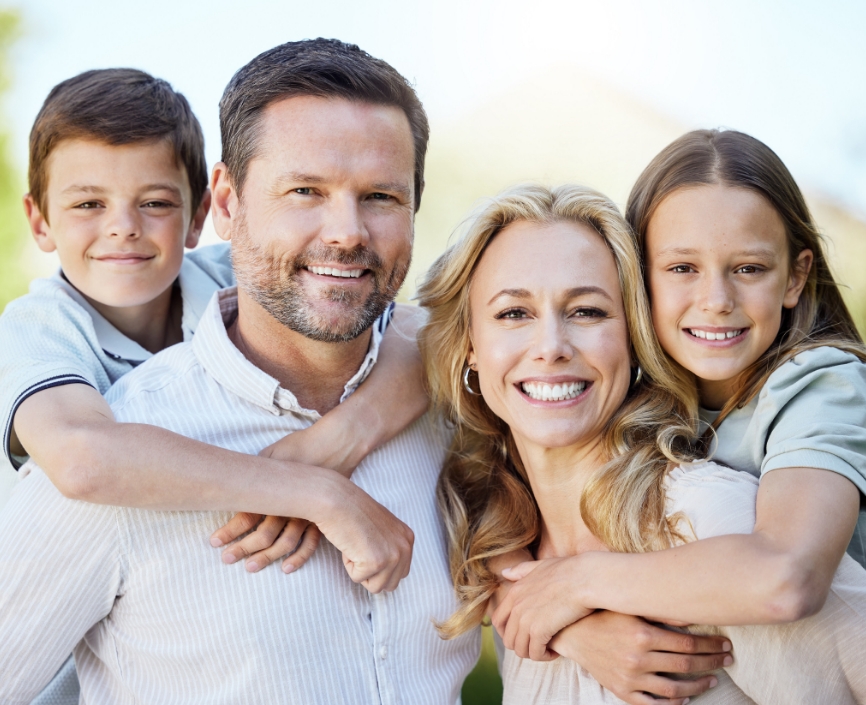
{"x":118,"y":187}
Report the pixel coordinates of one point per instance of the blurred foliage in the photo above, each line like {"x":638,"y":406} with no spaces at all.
{"x":484,"y":686}
{"x":13,"y":227}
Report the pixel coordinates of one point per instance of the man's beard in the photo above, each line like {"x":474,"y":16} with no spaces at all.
{"x":274,"y":285}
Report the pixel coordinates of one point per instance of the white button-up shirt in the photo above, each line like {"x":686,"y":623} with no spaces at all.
{"x":153,"y":615}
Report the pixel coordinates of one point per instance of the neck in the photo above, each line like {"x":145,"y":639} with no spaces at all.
{"x":154,"y":326}
{"x":557,"y":477}
{"x":314,"y":371}
{"x":714,"y":394}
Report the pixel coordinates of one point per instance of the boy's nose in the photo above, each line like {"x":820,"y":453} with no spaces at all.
{"x":124,"y":223}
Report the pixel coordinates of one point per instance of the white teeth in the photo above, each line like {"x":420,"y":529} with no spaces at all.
{"x":333,"y":272}
{"x":556,"y":392}
{"x":707,"y":335}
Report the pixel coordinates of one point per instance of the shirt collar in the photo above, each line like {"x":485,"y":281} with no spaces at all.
{"x":226,"y":364}
{"x":115,"y":344}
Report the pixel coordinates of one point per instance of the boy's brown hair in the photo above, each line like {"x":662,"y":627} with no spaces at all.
{"x":116,"y":106}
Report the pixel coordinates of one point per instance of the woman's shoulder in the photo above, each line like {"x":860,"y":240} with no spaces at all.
{"x":705,"y":499}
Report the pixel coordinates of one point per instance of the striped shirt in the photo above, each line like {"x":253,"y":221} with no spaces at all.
{"x":154,"y":616}
{"x":53,"y":336}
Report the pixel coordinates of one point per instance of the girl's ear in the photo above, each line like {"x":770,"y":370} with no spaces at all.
{"x":797,"y":280}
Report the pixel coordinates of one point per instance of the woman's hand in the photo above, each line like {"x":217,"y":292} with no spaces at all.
{"x":541,"y":602}
{"x":628,"y":656}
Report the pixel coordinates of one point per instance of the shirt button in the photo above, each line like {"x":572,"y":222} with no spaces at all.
{"x":383,"y":652}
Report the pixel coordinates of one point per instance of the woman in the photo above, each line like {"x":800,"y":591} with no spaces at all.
{"x":573,"y":436}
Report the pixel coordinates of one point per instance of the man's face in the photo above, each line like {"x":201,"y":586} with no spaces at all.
{"x":322,"y":232}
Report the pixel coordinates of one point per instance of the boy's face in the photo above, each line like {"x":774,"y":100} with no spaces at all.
{"x":118,"y":217}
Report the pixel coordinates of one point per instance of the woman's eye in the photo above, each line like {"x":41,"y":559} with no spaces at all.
{"x":590,"y":312}
{"x":512,"y":313}
{"x":303,"y":191}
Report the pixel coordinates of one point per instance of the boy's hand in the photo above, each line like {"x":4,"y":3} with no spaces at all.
{"x":631,"y":657}
{"x":273,"y":538}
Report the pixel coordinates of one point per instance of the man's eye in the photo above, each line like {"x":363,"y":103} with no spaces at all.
{"x":380,"y":197}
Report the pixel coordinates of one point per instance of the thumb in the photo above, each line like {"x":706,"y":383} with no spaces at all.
{"x":521,"y":570}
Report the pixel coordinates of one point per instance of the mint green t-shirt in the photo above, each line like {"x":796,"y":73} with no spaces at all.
{"x":810,"y":413}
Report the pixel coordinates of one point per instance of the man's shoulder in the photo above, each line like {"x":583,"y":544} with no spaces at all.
{"x":161,"y":375}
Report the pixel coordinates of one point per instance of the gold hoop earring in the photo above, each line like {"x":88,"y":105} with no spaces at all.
{"x":466,"y":382}
{"x":637,"y":377}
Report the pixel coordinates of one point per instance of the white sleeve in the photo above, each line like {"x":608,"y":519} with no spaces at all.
{"x":711,"y":500}
{"x":60,"y":572}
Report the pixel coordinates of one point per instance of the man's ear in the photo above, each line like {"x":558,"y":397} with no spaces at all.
{"x":39,"y":227}
{"x":797,"y":280}
{"x":224,"y":200}
{"x":193,"y":233}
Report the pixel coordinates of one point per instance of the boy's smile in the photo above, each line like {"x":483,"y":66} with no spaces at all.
{"x":118,"y":217}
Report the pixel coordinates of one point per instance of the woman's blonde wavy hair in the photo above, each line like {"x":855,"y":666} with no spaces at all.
{"x":484,"y":493}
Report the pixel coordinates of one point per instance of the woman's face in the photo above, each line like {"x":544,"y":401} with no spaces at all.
{"x":548,"y":332}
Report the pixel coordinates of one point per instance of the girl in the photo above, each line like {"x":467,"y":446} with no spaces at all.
{"x":743,"y":300}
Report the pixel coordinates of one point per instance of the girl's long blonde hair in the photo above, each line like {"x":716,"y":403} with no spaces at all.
{"x":484,"y":493}
{"x":731,"y":158}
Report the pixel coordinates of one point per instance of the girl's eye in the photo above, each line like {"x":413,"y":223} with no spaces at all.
{"x":681,"y":269}
{"x":748,"y":269}
{"x":511,"y":313}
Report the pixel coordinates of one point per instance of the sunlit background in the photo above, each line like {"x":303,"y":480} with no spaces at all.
{"x":544,"y":90}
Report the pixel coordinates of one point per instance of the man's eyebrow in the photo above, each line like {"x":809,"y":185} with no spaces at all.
{"x":300,"y":177}
{"x":571,"y":293}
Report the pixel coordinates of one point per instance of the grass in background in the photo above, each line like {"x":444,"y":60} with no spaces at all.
{"x":484,"y":686}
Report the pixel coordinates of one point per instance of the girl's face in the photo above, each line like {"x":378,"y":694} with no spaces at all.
{"x":549,"y":336}
{"x":719,"y":275}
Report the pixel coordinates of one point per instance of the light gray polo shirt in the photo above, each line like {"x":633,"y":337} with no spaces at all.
{"x":811,"y":413}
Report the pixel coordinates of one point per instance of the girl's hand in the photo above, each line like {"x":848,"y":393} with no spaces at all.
{"x":540,"y":602}
{"x":271,"y":539}
{"x":628,"y":656}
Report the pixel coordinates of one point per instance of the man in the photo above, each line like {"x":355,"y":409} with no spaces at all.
{"x":323,"y":150}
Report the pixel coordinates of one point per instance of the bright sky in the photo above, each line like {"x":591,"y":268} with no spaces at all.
{"x":790,"y":72}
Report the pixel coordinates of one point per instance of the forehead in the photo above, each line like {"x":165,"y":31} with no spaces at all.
{"x":546,"y":259}
{"x":334,"y":134}
{"x":714,"y":216}
{"x":91,"y":161}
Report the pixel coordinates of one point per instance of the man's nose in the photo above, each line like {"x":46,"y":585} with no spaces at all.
{"x":717,"y":295}
{"x":124,"y":222}
{"x":344,"y":224}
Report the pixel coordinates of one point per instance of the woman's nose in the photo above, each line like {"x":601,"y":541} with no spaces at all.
{"x":552,"y":342}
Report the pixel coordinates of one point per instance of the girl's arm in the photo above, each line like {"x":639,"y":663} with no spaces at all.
{"x":781,"y":572}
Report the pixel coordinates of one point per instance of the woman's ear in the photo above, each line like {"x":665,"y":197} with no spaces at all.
{"x":797,"y":280}
{"x":471,"y":360}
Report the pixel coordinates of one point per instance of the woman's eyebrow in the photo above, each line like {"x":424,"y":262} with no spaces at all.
{"x":571,"y":293}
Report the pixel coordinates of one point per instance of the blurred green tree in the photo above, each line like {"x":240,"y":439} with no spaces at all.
{"x":13,"y":229}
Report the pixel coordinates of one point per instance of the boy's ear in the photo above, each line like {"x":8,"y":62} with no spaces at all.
{"x":38,"y":225}
{"x":797,"y":280}
{"x":196,"y":225}
{"x":224,"y":203}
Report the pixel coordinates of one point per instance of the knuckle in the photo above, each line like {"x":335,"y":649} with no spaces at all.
{"x":683,"y":664}
{"x":632,"y":662}
{"x":643,"y":638}
{"x":688,"y":643}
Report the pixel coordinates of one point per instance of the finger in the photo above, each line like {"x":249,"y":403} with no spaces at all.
{"x":538,"y":647}
{"x":308,"y":546}
{"x":238,"y":525}
{"x":662,"y":662}
{"x":666,"y":640}
{"x":670,"y":689}
{"x":285,"y":543}
{"x":645,"y":699}
{"x":521,"y":570}
{"x":264,"y":535}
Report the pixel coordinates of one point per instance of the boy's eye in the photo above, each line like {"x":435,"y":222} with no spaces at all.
{"x":87,"y":205}
{"x":511,"y":313}
{"x":158,"y":204}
